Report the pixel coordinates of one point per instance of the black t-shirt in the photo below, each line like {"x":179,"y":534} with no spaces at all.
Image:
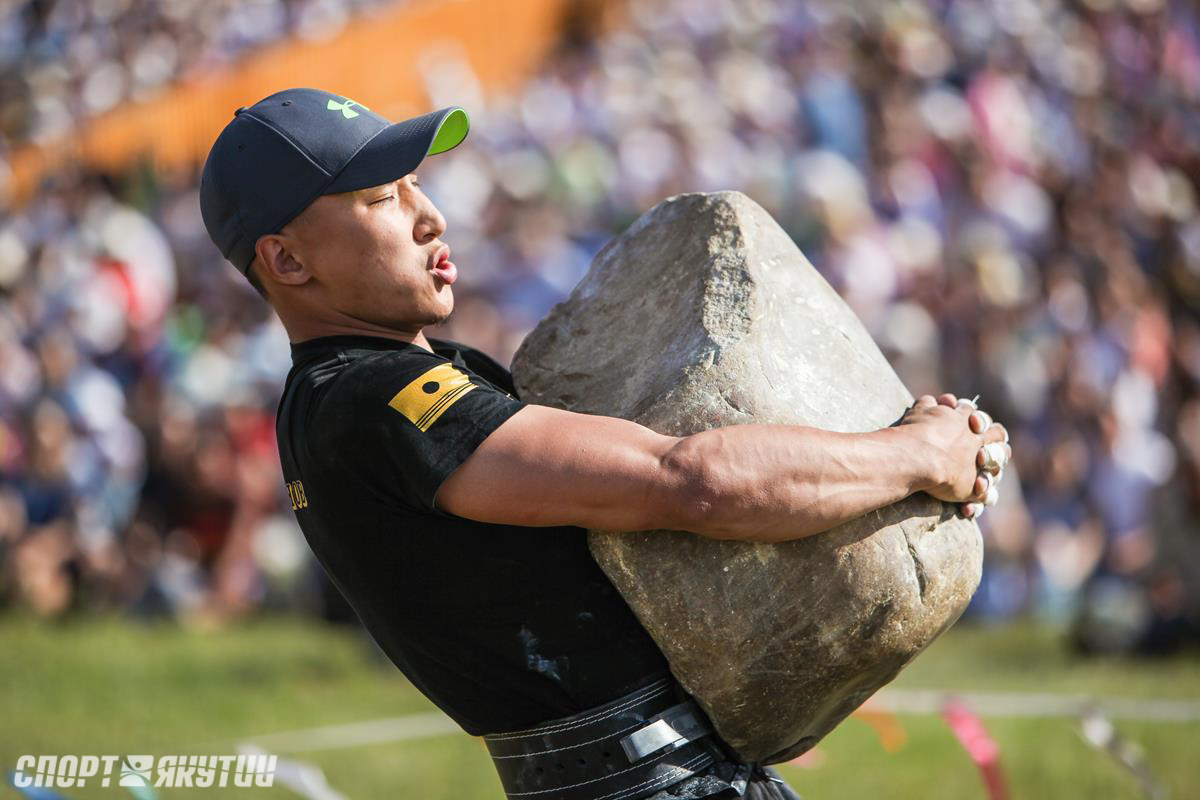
{"x":501,"y":626}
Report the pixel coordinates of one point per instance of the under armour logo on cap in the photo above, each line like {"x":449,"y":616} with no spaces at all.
{"x":344,"y":107}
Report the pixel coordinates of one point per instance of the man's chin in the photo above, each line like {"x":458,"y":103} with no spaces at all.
{"x":442,"y":313}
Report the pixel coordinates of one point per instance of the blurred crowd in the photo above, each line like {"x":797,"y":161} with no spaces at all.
{"x":1005,"y":191}
{"x":65,"y":60}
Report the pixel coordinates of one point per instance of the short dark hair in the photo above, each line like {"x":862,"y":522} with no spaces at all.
{"x":256,"y":281}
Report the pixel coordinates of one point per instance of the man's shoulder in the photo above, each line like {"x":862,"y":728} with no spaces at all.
{"x":449,"y":345}
{"x":397,"y":419}
{"x":365,"y":366}
{"x":477,"y":362}
{"x":410,"y":380}
{"x":342,"y":392}
{"x":329,"y":392}
{"x":368,"y":381}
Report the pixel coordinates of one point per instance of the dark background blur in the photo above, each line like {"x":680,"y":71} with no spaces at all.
{"x":1005,"y":192}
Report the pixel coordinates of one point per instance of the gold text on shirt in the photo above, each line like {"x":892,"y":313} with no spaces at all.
{"x":296,"y":493}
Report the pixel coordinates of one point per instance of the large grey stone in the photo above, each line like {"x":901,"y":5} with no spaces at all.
{"x":704,"y":313}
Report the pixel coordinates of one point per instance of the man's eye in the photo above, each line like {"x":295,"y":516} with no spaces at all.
{"x":382,"y":199}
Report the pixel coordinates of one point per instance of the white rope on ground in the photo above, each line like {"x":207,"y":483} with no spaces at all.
{"x":357,"y":734}
{"x":305,"y":779}
{"x":1020,"y":704}
{"x":898,"y":701}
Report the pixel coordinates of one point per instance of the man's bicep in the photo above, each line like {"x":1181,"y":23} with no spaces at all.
{"x":545,"y":466}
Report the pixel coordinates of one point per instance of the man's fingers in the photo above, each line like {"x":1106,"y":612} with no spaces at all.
{"x":926,"y":401}
{"x":972,"y":510}
{"x":963,"y":405}
{"x":996,"y":432}
{"x":990,"y":459}
{"x":980,"y":421}
{"x":984,"y":482}
{"x":993,"y":456}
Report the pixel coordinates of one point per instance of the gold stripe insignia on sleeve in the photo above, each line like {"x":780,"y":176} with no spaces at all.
{"x":428,"y":396}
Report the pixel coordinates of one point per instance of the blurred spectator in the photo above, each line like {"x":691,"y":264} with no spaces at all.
{"x":65,"y":60}
{"x":1004,"y":192}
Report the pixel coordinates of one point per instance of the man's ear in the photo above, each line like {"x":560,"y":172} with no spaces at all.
{"x":278,"y":260}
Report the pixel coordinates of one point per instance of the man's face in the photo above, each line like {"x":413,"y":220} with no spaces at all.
{"x":372,"y":251}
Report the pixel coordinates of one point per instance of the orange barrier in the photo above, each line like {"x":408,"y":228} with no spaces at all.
{"x":375,"y":60}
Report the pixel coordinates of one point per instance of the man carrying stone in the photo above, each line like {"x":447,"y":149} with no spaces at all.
{"x":452,"y":515}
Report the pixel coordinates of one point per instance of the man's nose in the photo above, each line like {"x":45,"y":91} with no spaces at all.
{"x":430,"y":224}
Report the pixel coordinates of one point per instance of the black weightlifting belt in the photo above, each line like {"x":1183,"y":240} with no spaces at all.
{"x":628,"y":748}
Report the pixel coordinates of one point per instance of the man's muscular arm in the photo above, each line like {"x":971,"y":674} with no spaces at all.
{"x":544,"y":466}
{"x":776,"y":482}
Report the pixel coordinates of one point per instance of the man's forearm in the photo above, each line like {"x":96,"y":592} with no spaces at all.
{"x":776,"y":482}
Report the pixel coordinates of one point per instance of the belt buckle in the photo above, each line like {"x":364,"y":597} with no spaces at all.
{"x":667,"y":731}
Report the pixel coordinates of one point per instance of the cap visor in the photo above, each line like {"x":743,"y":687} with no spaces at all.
{"x":398,"y":149}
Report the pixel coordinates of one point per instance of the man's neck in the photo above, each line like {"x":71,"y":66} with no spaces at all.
{"x":302,"y":333}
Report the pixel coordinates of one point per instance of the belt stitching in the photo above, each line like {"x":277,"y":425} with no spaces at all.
{"x":570,"y":746}
{"x":685,"y":765}
{"x":642,"y":695}
{"x":652,"y":693}
{"x":652,"y":783}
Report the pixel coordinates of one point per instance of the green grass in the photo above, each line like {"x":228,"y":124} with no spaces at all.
{"x":109,"y":687}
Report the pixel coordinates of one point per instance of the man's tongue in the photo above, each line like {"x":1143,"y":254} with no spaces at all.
{"x":446,"y":271}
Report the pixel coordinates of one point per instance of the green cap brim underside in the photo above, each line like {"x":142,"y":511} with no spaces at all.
{"x":451,"y":132}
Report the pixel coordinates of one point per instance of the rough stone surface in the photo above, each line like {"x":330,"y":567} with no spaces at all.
{"x":702,"y":314}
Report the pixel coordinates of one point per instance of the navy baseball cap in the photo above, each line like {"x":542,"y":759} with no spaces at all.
{"x":286,"y":150}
